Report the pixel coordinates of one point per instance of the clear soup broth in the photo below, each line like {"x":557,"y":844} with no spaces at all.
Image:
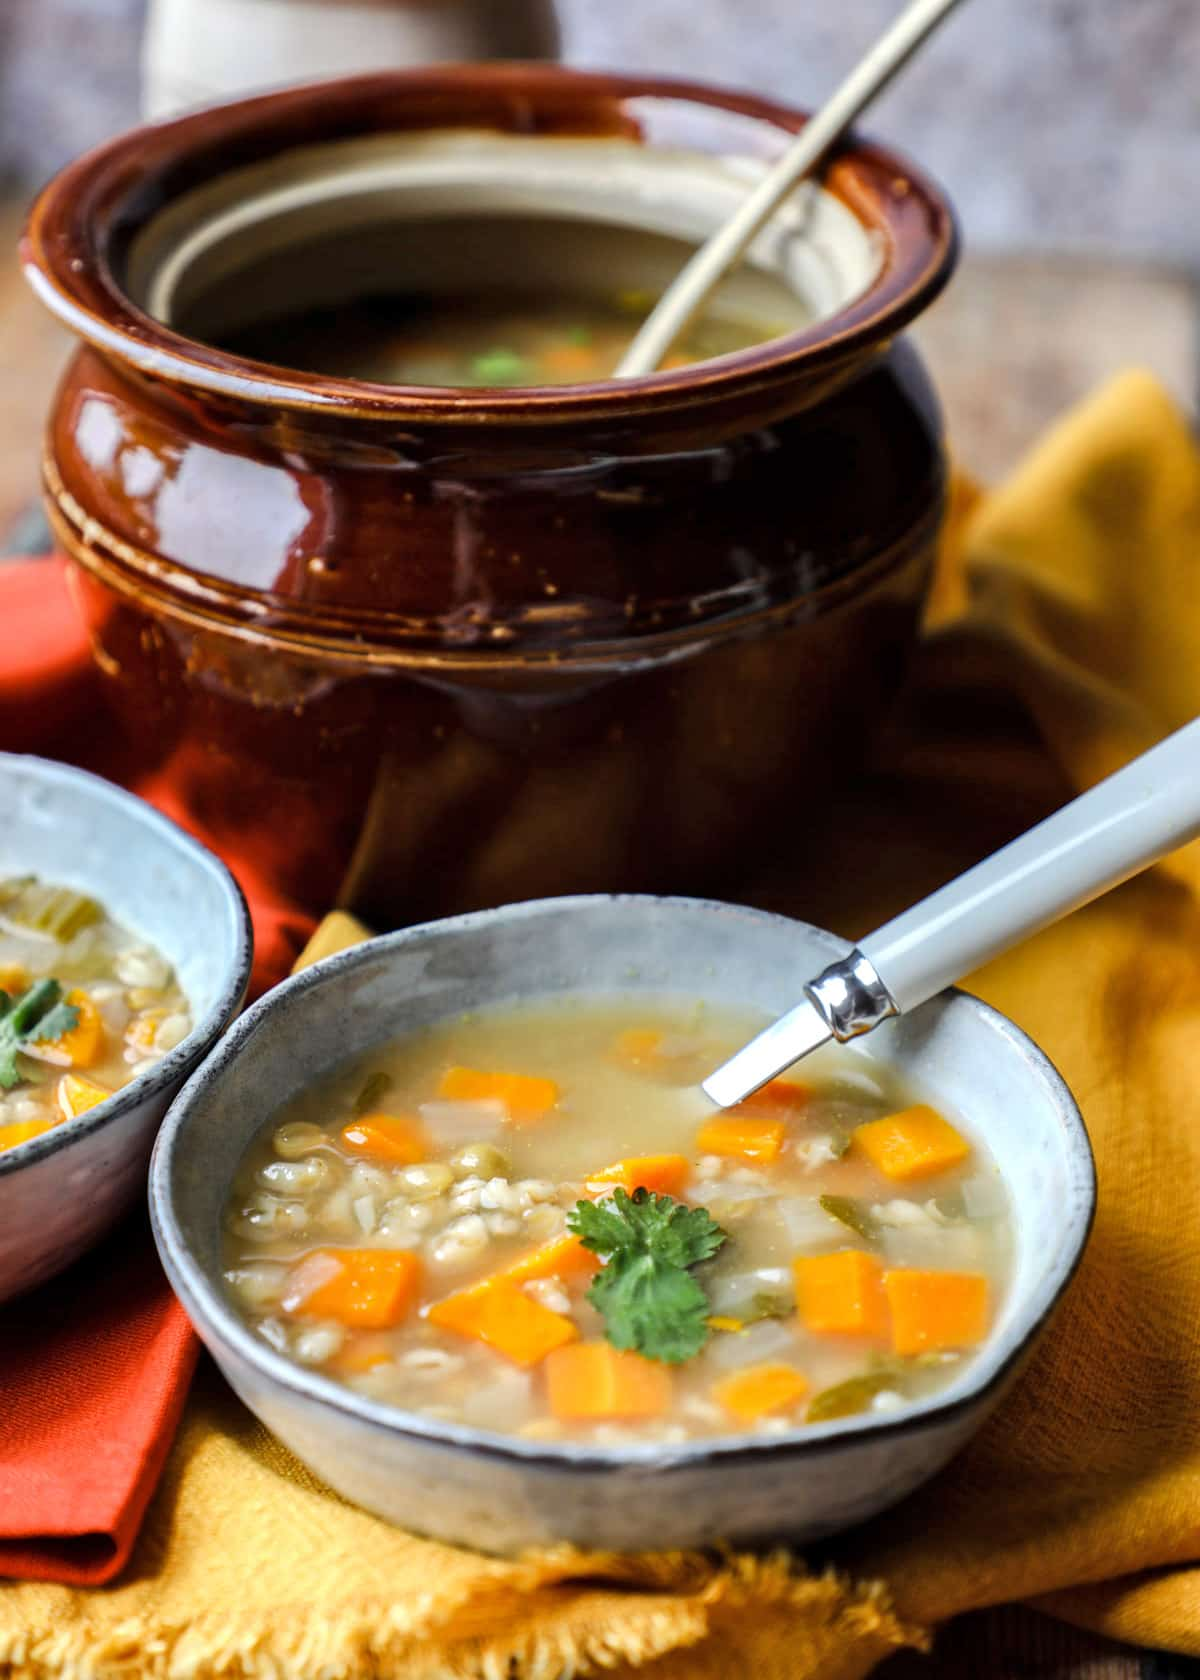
{"x":533,"y":1222}
{"x":472,"y":341}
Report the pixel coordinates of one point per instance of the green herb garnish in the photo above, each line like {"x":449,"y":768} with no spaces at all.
{"x":37,"y":1015}
{"x":645,"y":1292}
{"x":852,"y":1214}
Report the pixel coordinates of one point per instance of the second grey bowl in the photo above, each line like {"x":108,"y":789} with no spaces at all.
{"x":500,"y":1493}
{"x":60,"y":1192}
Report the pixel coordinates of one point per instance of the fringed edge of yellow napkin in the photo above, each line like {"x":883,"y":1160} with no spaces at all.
{"x":531,"y":1623}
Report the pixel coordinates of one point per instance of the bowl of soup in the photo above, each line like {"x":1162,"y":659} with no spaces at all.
{"x":364,"y":530}
{"x":457,"y":1223}
{"x":124,"y":952}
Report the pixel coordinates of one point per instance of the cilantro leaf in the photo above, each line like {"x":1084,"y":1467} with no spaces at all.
{"x":38,"y":1014}
{"x":645,"y":1293}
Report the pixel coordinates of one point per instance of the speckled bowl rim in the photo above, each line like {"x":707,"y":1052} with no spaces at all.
{"x":190,"y":1051}
{"x":206,"y":1305}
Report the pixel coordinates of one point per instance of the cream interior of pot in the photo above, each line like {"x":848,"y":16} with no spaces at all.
{"x":448,"y":211}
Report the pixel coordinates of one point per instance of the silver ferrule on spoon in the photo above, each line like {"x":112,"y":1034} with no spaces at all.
{"x":1113,"y":831}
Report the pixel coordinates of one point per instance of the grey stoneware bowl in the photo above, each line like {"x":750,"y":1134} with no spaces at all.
{"x":61,"y":1191}
{"x":499,"y":1493}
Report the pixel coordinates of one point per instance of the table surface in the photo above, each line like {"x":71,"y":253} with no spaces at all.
{"x":1012,"y":344}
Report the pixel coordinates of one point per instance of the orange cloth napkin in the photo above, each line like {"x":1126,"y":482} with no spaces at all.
{"x":94,"y":1366}
{"x":1068,"y":635}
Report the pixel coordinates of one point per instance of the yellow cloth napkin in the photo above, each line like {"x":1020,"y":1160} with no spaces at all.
{"x":1067,"y":637}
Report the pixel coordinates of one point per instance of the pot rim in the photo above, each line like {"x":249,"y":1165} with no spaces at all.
{"x":78,"y":219}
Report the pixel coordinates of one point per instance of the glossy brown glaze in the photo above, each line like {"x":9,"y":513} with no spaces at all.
{"x":422,"y":650}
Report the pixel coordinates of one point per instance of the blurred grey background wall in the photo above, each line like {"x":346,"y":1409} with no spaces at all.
{"x":1056,"y":124}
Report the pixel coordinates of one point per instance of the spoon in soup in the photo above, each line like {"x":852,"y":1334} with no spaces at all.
{"x":690,"y":289}
{"x":1113,"y":831}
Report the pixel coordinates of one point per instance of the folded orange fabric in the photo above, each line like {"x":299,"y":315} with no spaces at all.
{"x":94,"y":1367}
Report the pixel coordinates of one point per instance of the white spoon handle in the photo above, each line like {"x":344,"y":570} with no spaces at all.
{"x":691,"y":286}
{"x":1098,"y":840}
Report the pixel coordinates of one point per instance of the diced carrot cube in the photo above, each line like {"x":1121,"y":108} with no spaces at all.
{"x":742,"y":1135}
{"x":498,"y":1313}
{"x":594,"y":1380}
{"x":81,"y":1045}
{"x":568,"y":359}
{"x":915,"y":1143}
{"x":935,"y":1310}
{"x":387,"y":1137}
{"x":560,"y":1257}
{"x":526,"y":1096}
{"x":76,"y":1094}
{"x":664,"y":1174}
{"x":20,"y":1131}
{"x":842,"y":1293}
{"x":777,"y":1094}
{"x":759,"y":1389}
{"x":368,"y":1288}
{"x":638,"y":1045}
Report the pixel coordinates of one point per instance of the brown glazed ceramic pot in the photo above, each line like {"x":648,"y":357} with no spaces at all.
{"x":418,"y":650}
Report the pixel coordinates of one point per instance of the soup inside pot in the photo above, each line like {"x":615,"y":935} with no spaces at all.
{"x":474,"y":301}
{"x":533,"y":1222}
{"x":504,"y":338}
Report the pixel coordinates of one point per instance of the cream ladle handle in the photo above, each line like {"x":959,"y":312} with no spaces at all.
{"x":688,"y":291}
{"x":1113,"y":831}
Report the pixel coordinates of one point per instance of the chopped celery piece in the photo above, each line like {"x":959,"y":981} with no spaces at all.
{"x":55,"y":911}
{"x":766,"y":1305}
{"x":844,"y":1399}
{"x":375,"y":1088}
{"x":852,"y":1214}
{"x":498,"y":367}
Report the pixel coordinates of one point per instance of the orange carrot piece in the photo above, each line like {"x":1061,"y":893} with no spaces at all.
{"x":915,"y":1143}
{"x":935,"y":1310}
{"x":569,"y":359}
{"x":388,"y":1137}
{"x":777,"y":1094}
{"x":79,"y":1047}
{"x":593,"y":1380}
{"x":664,"y":1174}
{"x":637,"y":1045}
{"x":560,"y":1257}
{"x":498,"y":1313}
{"x":841,"y":1294}
{"x":76,"y":1094}
{"x":366,"y":1288}
{"x":743,"y":1135}
{"x":759,"y":1389}
{"x":14,"y":979}
{"x":525,"y":1095}
{"x":20,"y":1131}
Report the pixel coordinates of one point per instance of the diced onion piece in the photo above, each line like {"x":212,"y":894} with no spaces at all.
{"x":807,"y":1223}
{"x":758,"y":1344}
{"x":452,"y":1123}
{"x":735,"y":1296}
